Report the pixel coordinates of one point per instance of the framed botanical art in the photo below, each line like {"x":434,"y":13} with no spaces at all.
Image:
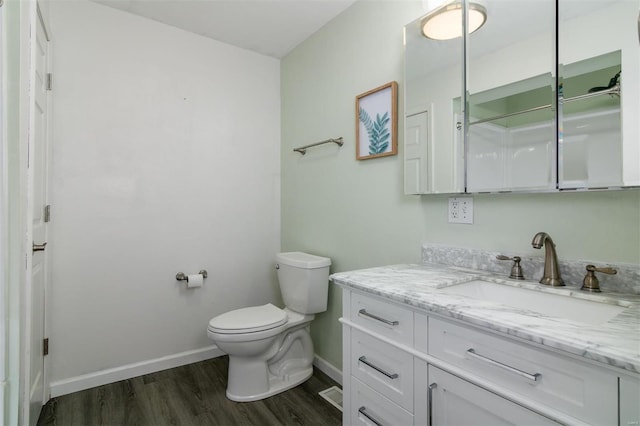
{"x":377,"y":122}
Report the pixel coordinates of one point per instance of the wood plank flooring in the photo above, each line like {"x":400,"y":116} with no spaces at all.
{"x":193,"y":394}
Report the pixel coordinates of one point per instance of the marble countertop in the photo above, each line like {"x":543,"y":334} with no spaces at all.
{"x":615,"y":342}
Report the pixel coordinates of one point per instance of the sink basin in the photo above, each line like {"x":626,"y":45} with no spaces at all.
{"x":548,"y":304}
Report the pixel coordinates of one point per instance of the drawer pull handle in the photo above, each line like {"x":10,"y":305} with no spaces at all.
{"x":432,"y":386}
{"x":533,"y":377}
{"x":375,"y":317}
{"x":363,"y":360}
{"x":362,"y":410}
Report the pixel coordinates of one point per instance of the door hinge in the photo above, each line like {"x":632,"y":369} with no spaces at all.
{"x":49,"y":81}
{"x":47,"y":213}
{"x":45,"y":347}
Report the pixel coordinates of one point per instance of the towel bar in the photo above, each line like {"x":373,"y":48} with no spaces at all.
{"x":303,"y":149}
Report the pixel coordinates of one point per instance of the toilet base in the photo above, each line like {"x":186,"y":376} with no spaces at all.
{"x":276,"y":385}
{"x":286,"y":364}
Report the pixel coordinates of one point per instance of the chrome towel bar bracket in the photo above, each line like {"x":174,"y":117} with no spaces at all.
{"x":303,"y":149}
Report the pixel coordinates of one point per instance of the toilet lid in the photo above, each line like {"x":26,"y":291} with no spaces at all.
{"x":249,"y":320}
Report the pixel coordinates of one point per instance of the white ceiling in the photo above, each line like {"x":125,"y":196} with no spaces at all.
{"x":269,"y":27}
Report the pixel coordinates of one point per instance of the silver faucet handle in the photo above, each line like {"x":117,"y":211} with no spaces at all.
{"x":590,"y":282}
{"x":516,"y":269}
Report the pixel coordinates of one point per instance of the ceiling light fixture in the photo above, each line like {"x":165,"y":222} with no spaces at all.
{"x":445,"y":22}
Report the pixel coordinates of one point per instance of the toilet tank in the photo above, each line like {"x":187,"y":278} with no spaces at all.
{"x":304,"y":281}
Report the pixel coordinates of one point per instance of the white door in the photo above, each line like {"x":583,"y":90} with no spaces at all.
{"x":416,"y":155}
{"x":35,"y":309}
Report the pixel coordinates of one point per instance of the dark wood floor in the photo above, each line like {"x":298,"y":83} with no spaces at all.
{"x":190,"y":395}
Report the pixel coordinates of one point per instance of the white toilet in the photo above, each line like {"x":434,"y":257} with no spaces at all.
{"x":269,"y":348}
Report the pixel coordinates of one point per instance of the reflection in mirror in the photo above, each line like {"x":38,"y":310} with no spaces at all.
{"x":599,"y":80}
{"x":511,"y":126}
{"x":591,"y":133}
{"x":434,"y":161}
{"x":511,"y":137}
{"x":516,"y":132}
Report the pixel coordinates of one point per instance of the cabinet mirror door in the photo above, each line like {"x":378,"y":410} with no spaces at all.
{"x":551,"y":99}
{"x":511,"y":119}
{"x":434,"y":155}
{"x":599,"y":93}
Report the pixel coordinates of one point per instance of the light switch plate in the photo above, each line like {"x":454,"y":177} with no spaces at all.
{"x":461,"y":210}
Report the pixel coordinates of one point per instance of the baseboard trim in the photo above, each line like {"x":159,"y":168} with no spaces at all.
{"x":111,"y":375}
{"x":327,"y":368}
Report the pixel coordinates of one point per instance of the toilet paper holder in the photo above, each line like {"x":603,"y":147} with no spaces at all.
{"x":180,"y":276}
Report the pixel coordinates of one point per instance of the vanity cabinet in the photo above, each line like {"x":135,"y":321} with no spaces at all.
{"x":403,"y":366}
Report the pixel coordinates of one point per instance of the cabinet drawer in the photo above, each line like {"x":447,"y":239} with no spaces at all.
{"x":387,"y":319}
{"x":371,"y":408}
{"x":455,"y":401}
{"x":383,"y":367}
{"x":578,"y":389}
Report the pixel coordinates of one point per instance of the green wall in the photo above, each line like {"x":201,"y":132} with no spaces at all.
{"x":355,"y":211}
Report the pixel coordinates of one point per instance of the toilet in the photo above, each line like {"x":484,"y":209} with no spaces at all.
{"x":269,"y":348}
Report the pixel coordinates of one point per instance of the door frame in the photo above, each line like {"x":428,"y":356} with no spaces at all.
{"x":4,"y":318}
{"x":17,"y":17}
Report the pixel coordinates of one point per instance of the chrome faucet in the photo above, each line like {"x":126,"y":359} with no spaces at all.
{"x":551,"y":274}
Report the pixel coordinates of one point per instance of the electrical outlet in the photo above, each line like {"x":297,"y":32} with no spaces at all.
{"x":454,"y":205}
{"x":461,"y":210}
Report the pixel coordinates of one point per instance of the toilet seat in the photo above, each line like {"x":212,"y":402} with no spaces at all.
{"x":248,"y":320}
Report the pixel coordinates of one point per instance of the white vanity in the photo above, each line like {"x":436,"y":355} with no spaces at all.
{"x":422,"y":347}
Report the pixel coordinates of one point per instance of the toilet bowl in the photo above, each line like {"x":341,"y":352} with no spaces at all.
{"x":270,"y":349}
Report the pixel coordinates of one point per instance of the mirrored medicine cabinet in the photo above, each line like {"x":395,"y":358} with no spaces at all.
{"x":544,"y":97}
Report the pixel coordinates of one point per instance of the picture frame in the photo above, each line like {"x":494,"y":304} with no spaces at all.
{"x":377,"y":122}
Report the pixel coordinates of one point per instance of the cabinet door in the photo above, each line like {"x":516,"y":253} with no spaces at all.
{"x":432,"y":89}
{"x":629,"y":401}
{"x":599,"y":88}
{"x":457,"y":402}
{"x":511,"y":120}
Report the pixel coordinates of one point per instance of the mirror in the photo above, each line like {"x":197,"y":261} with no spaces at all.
{"x":434,"y":154}
{"x":511,"y":123}
{"x":546,"y":109}
{"x":599,"y":95}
